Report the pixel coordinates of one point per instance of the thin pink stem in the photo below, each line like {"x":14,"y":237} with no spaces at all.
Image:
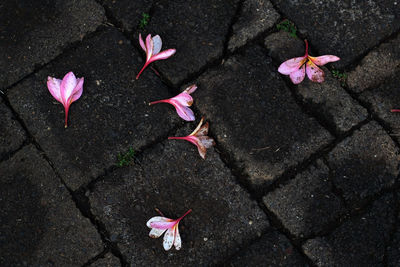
{"x":395,"y":110}
{"x":158,"y":101}
{"x":178,"y":137}
{"x":66,"y":117}
{"x":145,"y":65}
{"x":306,"y":54}
{"x":189,"y":211}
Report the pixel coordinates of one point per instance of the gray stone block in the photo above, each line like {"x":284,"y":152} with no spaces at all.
{"x":109,"y":260}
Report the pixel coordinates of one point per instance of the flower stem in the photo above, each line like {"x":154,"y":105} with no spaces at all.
{"x":189,"y":211}
{"x":395,"y":110}
{"x":66,"y":118}
{"x":306,"y":47}
{"x":158,"y":101}
{"x":145,"y":65}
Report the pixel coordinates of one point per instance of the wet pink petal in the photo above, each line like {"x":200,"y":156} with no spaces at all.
{"x":141,"y":42}
{"x":77,"y":92}
{"x":157,"y":43}
{"x":314,"y":73}
{"x":162,"y":225}
{"x":298,"y":75}
{"x":54,"y":86}
{"x":184,"y":99}
{"x":163,"y":55}
{"x":322,"y":60}
{"x":68,"y":85}
{"x":149,"y":47}
{"x":291,"y":65}
{"x":185,"y":113}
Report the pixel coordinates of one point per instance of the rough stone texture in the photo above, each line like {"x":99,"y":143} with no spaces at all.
{"x":11,"y":133}
{"x":346,"y":29}
{"x":273,"y":249}
{"x":364,"y":163}
{"x":196,"y":29}
{"x":39,"y":224}
{"x":393,"y":249}
{"x":357,"y":242}
{"x":307,"y":203}
{"x":376,"y":67}
{"x":112,"y":115}
{"x":255,"y":117}
{"x":109,"y":260}
{"x":328,"y":100}
{"x":34,"y":32}
{"x":173,"y":178}
{"x":256,"y":16}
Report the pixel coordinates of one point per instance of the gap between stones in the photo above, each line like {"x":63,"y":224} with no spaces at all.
{"x":97,"y":257}
{"x":395,"y":227}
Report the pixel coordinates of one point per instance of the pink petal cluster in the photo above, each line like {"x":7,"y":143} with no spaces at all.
{"x":298,"y":66}
{"x":199,"y":138}
{"x":152,"y":49}
{"x":160,"y":224}
{"x":182,"y":102}
{"x":65,"y":91}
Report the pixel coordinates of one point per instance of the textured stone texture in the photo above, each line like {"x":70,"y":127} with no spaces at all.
{"x":39,"y":224}
{"x":376,"y":67}
{"x":255,"y":117}
{"x":256,"y":17}
{"x":393,"y":249}
{"x":34,"y":32}
{"x":109,"y":260}
{"x":306,"y":204}
{"x":112,"y":115}
{"x":173,"y":178}
{"x":282,"y":46}
{"x":346,"y":29}
{"x":357,"y":242}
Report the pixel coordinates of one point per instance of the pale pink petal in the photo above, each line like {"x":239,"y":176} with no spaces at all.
{"x":68,"y":85}
{"x":54,"y":86}
{"x":177,"y":241}
{"x":191,"y":89}
{"x":206,"y":141}
{"x":157,"y":43}
{"x":198,"y":127}
{"x":322,"y":60}
{"x":185,"y":112}
{"x":156,"y":233}
{"x":157,"y":219}
{"x":169,"y":239}
{"x":149,"y":47}
{"x":298,"y":76}
{"x":203,"y":130}
{"x":163,"y":55}
{"x":314,"y":73}
{"x":291,"y":65}
{"x":76,"y":94}
{"x":142,"y":43}
{"x":184,"y":99}
{"x":162,"y":225}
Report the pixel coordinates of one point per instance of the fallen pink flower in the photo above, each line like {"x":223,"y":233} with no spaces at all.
{"x":160,"y":224}
{"x":298,"y":66}
{"x":65,"y":91}
{"x":152,"y":49}
{"x":182,"y":102}
{"x":199,"y":138}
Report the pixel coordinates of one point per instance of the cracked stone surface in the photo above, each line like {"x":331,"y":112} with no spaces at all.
{"x":33,"y":33}
{"x":393,"y":249}
{"x":47,"y":230}
{"x":101,"y":122}
{"x":307,"y":204}
{"x":255,"y":118}
{"x":256,"y":17}
{"x":173,"y":178}
{"x":376,"y":67}
{"x":347,"y":29}
{"x":109,"y":260}
{"x":357,"y":242}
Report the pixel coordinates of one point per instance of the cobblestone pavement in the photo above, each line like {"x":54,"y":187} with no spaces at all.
{"x":301,"y":175}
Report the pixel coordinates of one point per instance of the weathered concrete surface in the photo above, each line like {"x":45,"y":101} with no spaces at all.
{"x":307,"y":204}
{"x":173,"y":178}
{"x":347,"y":29}
{"x":255,"y":118}
{"x":34,"y":32}
{"x":393,"y":249}
{"x":109,"y":260}
{"x":256,"y":17}
{"x":40,"y":225}
{"x":360,"y":241}
{"x":112,"y":115}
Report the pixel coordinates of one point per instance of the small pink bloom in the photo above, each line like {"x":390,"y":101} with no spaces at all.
{"x":199,"y":138}
{"x":152,"y":49}
{"x":182,"y":102}
{"x":160,"y":224}
{"x":65,"y":91}
{"x":297,"y":67}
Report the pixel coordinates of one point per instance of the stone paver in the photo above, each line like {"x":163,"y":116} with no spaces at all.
{"x":307,"y":203}
{"x":33,"y":33}
{"x":393,"y":249}
{"x":11,"y":133}
{"x":347,"y":29}
{"x":256,"y":17}
{"x":39,"y":224}
{"x":360,"y":241}
{"x":173,"y":178}
{"x":273,"y":249}
{"x":109,"y":260}
{"x":254,"y":116}
{"x":376,"y":67}
{"x":112,"y":115}
{"x":364,"y":163}
{"x":328,"y":100}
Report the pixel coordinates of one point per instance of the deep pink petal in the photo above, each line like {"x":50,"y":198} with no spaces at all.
{"x":163,"y":55}
{"x":68,"y":85}
{"x":76,"y":94}
{"x":314,"y":73}
{"x":184,"y":112}
{"x":158,"y":219}
{"x":157,"y":43}
{"x":291,"y":65}
{"x":184,"y":99}
{"x":322,"y":60}
{"x":141,"y":42}
{"x":54,"y":86}
{"x":191,"y":89}
{"x":163,"y":225}
{"x":298,"y":75}
{"x":149,"y":47}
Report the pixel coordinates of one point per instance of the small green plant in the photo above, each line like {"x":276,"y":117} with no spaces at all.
{"x":341,"y":76}
{"x":125,"y":159}
{"x":287,"y":26}
{"x":144,"y":21}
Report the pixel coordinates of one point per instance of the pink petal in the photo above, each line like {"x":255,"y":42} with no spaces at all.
{"x":149,"y":47}
{"x":156,"y":233}
{"x":291,"y":65}
{"x":141,"y":42}
{"x":298,"y":75}
{"x":177,"y":241}
{"x":157,"y":43}
{"x":54,"y":86}
{"x":191,"y":89}
{"x":184,"y":112}
{"x":163,"y":55}
{"x":207,"y":141}
{"x":68,"y":85}
{"x":162,"y":225}
{"x":76,"y":94}
{"x":198,"y":127}
{"x":184,"y":99}
{"x":322,"y":60}
{"x":169,"y":238}
{"x":157,"y":219}
{"x":314,"y":73}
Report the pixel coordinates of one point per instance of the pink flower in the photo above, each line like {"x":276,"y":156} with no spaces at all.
{"x":199,"y":138}
{"x":152,"y":49}
{"x":395,"y":110}
{"x":65,"y":91}
{"x":181,"y":103}
{"x":160,"y":224}
{"x":298,"y":66}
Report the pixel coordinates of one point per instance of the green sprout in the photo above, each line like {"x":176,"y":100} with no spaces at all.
{"x":287,"y":26}
{"x":144,"y":21}
{"x":341,"y":76}
{"x":125,"y":159}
